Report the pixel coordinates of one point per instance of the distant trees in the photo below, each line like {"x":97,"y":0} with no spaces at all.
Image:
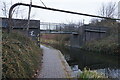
{"x":94,"y":21}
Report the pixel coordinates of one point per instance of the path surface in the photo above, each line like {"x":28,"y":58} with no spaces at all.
{"x":54,"y":65}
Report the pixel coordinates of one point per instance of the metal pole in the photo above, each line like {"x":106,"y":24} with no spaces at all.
{"x":29,"y":17}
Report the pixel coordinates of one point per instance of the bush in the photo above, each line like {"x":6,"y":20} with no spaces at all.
{"x":107,"y":45}
{"x":90,"y":74}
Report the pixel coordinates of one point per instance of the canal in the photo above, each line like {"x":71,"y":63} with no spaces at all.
{"x":102,"y":63}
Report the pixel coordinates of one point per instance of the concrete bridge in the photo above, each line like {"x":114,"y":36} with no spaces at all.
{"x":88,"y":33}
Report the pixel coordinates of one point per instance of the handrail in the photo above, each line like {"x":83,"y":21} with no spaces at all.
{"x":53,"y":9}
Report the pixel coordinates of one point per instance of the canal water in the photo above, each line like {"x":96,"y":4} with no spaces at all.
{"x":102,"y":63}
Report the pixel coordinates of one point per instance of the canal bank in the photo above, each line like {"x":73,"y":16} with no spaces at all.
{"x":54,"y":64}
{"x":101,"y":63}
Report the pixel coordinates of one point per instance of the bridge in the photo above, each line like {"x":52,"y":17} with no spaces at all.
{"x":88,"y":33}
{"x":56,"y":32}
{"x":79,"y":37}
{"x":83,"y":34}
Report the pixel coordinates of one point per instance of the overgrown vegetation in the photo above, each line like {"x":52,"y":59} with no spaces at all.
{"x":108,"y":45}
{"x":20,"y":55}
{"x":56,"y":39}
{"x":91,"y":74}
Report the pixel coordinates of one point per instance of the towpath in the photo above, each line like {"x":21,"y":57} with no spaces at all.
{"x":54,"y":65}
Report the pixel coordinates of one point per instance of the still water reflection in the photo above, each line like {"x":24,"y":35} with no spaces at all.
{"x":107,"y":64}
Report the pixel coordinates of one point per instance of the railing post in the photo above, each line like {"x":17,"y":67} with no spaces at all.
{"x":10,"y":20}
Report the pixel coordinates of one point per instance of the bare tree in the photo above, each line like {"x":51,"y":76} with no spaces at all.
{"x":17,"y":11}
{"x":4,"y":9}
{"x":108,"y":10}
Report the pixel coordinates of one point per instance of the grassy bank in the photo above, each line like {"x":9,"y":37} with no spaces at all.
{"x":108,"y":45}
{"x":20,"y":55}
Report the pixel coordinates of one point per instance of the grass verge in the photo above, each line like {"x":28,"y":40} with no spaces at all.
{"x":21,"y":56}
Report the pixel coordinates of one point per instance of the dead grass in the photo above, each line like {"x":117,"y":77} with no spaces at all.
{"x":21,"y":56}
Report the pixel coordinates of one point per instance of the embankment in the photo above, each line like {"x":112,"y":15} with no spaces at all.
{"x":21,"y":56}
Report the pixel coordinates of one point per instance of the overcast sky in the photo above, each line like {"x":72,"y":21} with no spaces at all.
{"x":82,"y":6}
